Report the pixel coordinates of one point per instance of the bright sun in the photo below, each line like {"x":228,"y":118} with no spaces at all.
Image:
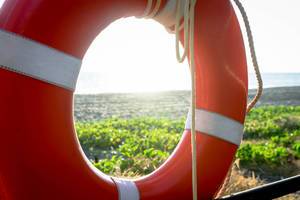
{"x":132,"y":55}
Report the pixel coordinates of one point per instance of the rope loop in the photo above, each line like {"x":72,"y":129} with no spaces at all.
{"x":253,"y":55}
{"x":188,"y":27}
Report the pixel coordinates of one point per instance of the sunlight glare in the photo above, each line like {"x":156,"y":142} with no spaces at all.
{"x":133,"y":55}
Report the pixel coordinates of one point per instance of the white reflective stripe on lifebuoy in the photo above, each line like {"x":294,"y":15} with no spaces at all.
{"x":38,"y":61}
{"x":167,"y":16}
{"x":127,"y":189}
{"x":217,"y":125}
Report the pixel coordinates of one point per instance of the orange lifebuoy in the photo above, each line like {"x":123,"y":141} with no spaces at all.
{"x":42,"y":43}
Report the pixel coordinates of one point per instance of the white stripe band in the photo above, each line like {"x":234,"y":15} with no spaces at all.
{"x":38,"y":61}
{"x":127,"y":189}
{"x":217,"y":125}
{"x":167,"y":16}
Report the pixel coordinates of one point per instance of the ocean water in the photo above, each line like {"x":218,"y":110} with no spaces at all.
{"x":94,"y":83}
{"x":276,"y":80}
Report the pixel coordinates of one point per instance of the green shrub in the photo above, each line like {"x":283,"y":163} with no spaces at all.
{"x":267,"y":154}
{"x":142,"y":145}
{"x":266,"y":122}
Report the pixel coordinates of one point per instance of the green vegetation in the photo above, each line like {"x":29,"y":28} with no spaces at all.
{"x":138,"y":146}
{"x":272,"y":136}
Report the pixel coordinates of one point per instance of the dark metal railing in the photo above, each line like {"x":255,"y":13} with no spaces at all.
{"x":268,"y":191}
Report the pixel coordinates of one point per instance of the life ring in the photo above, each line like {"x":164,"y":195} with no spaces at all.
{"x":42,"y":43}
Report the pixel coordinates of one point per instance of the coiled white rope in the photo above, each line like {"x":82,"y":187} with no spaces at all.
{"x":188,"y":26}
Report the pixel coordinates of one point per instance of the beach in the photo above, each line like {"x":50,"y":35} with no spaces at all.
{"x":172,"y":104}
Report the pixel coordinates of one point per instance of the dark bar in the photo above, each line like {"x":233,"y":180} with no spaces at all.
{"x":268,"y":191}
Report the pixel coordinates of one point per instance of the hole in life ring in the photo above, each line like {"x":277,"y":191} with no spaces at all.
{"x":132,"y":98}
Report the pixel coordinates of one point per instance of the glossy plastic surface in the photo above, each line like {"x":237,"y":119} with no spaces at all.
{"x":40,"y":154}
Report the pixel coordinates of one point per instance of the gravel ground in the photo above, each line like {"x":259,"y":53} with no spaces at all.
{"x":173,"y":104}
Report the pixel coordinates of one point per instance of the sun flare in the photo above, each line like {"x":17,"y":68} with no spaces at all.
{"x":133,"y":55}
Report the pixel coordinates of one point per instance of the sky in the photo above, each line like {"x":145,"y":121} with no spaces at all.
{"x":134,"y":55}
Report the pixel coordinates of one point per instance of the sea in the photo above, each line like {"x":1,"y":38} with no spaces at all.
{"x":92,"y":83}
